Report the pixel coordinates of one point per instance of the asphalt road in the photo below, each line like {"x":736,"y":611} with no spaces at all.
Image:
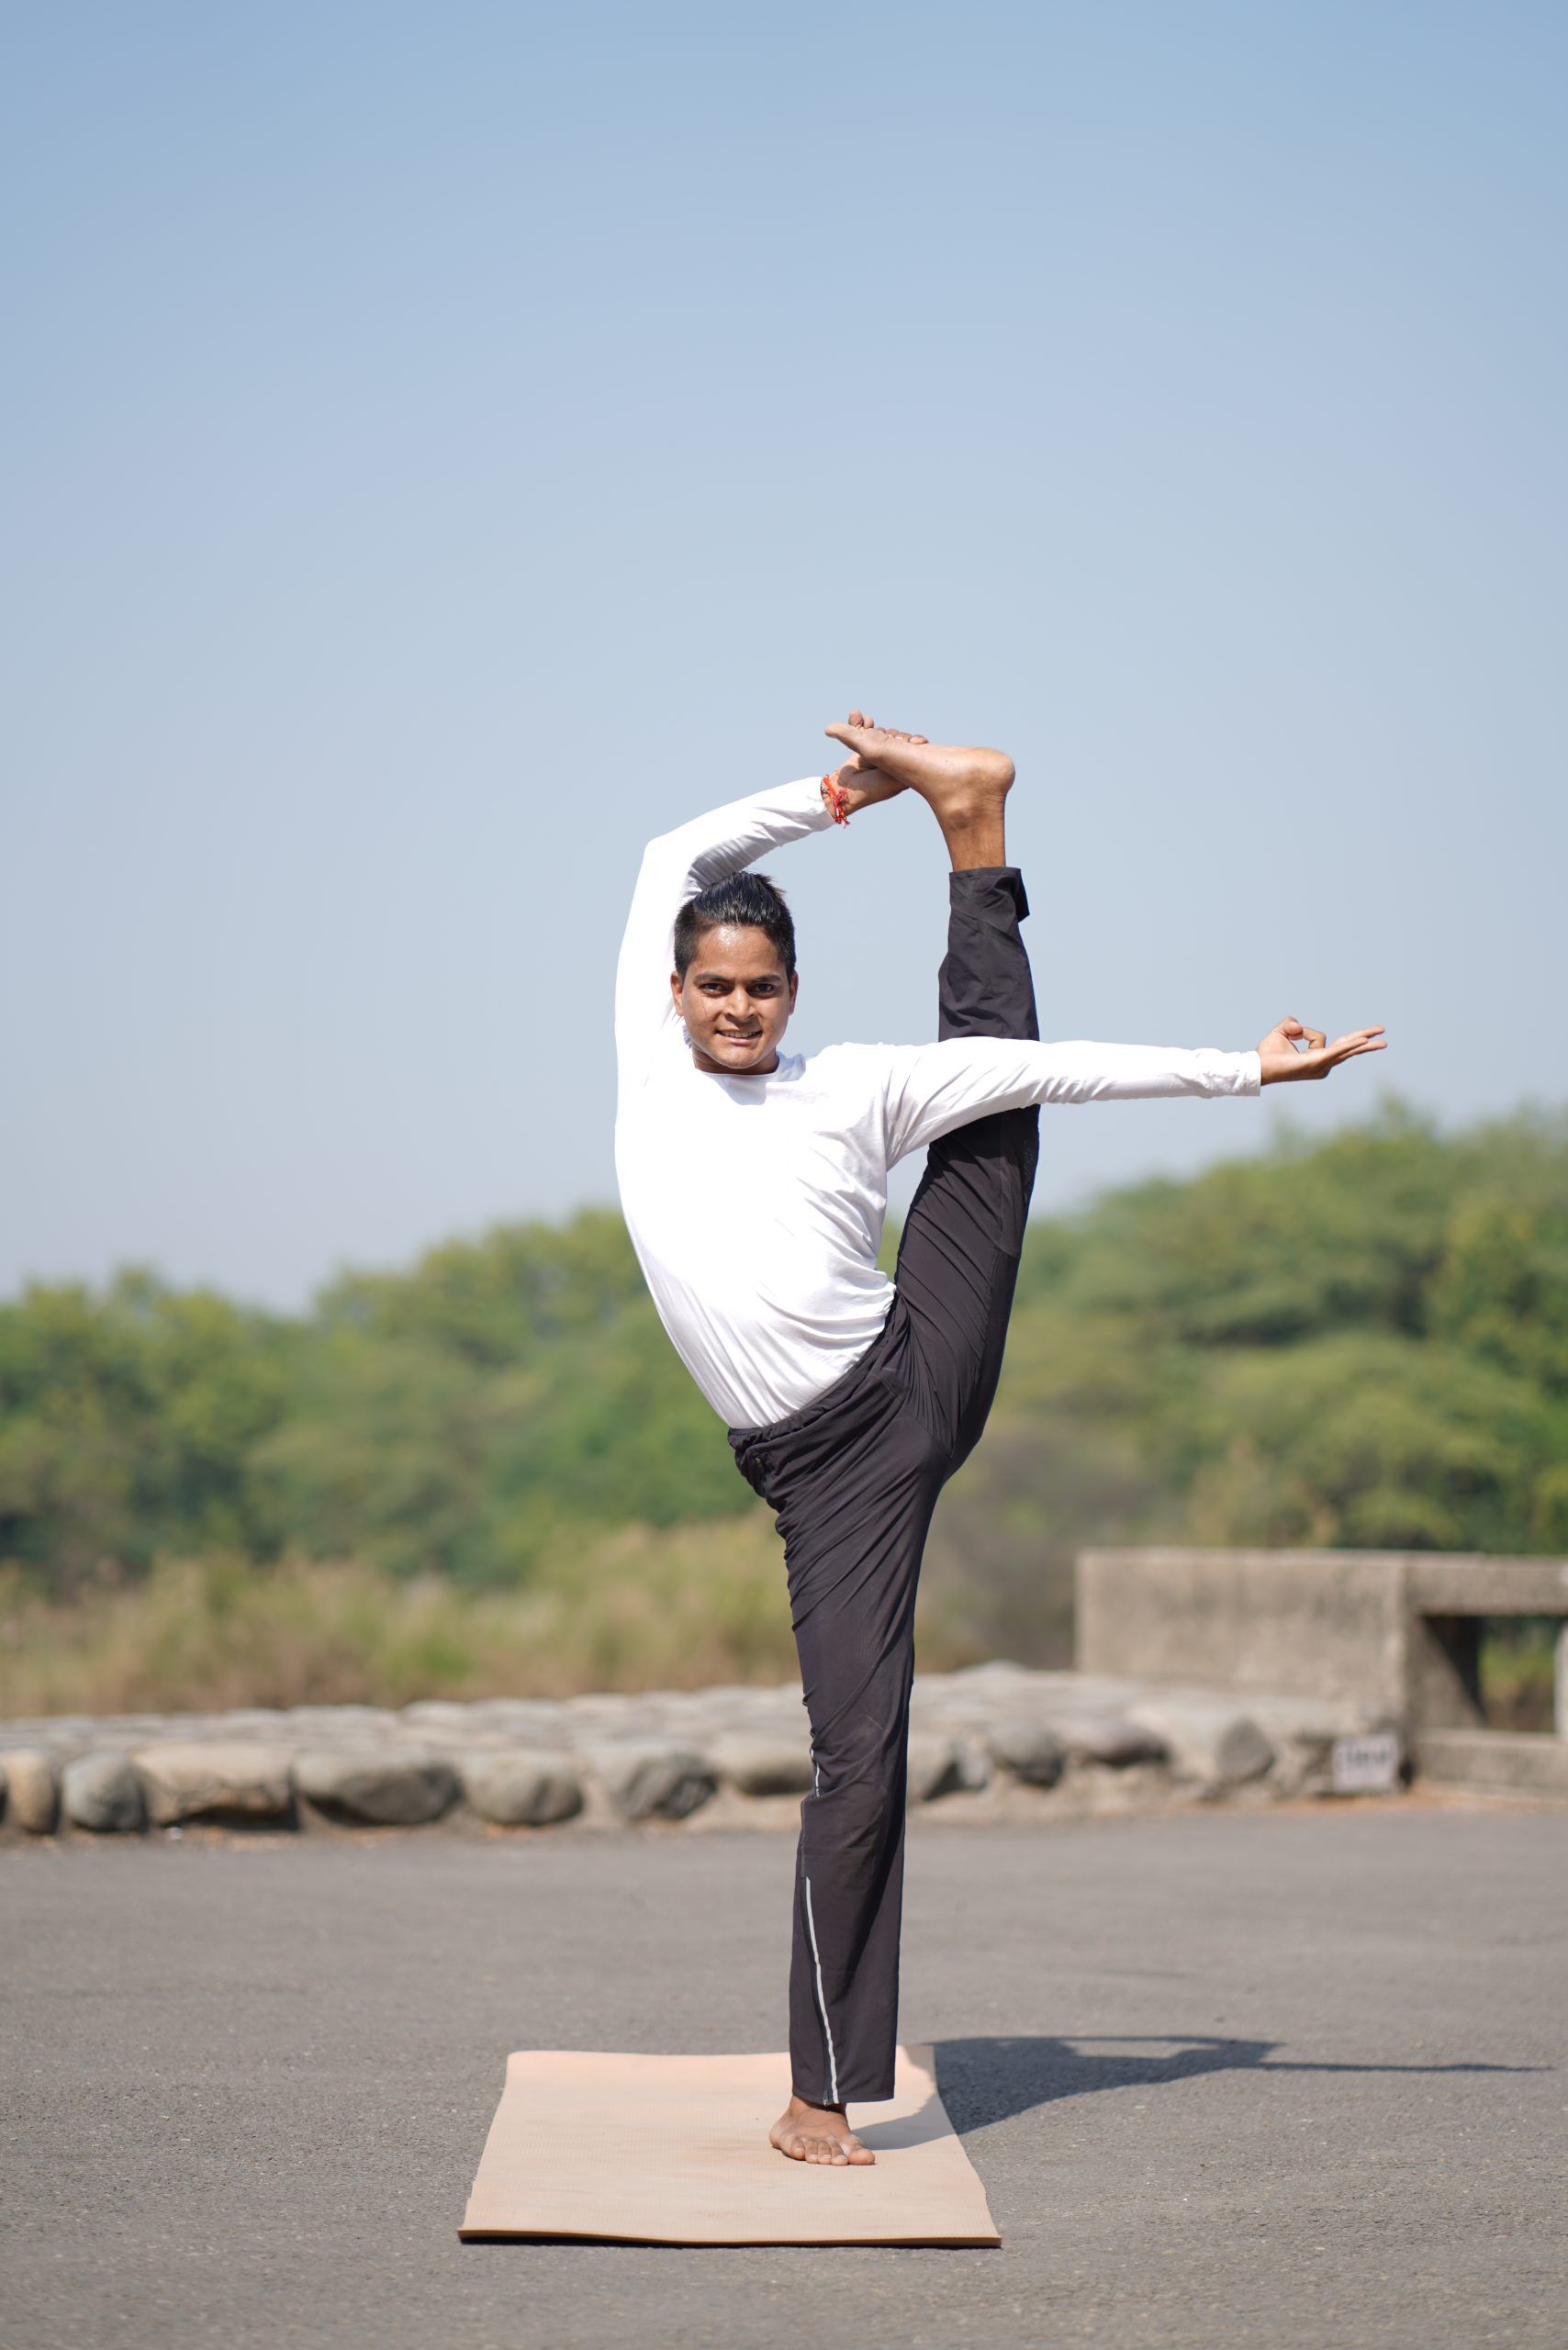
{"x":1229,"y":2080}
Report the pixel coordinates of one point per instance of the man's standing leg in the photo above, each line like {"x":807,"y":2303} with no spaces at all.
{"x":854,"y":1478}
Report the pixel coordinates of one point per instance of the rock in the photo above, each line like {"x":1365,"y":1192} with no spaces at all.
{"x":517,"y":1788}
{"x":364,"y":1722}
{"x":935,"y":1767}
{"x":1303,"y":1732}
{"x":218,"y":1778}
{"x":647,"y":1782}
{"x":1211,"y":1739}
{"x":1108,"y":1738}
{"x":377,"y":1786}
{"x":437,"y":1713}
{"x":972,"y":1763}
{"x":34,"y":1790}
{"x":1030,"y":1749}
{"x":759,"y":1765}
{"x":102,"y":1792}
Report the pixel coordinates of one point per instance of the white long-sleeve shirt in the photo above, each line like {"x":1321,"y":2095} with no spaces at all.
{"x":755,"y":1204}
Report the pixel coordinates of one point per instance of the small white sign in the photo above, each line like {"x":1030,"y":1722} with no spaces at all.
{"x":1366,"y":1766}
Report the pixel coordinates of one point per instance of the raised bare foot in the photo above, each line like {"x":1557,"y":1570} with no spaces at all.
{"x":859,"y":784}
{"x":817,"y":2133}
{"x":963,"y":785}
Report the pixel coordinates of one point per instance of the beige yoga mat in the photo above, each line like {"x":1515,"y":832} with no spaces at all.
{"x":673,"y":2150}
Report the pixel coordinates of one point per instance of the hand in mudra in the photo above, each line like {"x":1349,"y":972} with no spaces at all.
{"x":1282,"y":1064}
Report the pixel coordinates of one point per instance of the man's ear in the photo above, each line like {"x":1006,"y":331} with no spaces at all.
{"x":675,"y":987}
{"x":794,"y":988}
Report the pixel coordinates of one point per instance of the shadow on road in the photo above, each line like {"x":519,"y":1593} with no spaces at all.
{"x":987,"y":2079}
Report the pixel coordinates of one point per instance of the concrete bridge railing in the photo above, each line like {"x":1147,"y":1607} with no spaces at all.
{"x":1398,"y":1632}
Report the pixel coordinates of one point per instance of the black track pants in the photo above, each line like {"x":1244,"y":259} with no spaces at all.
{"x":855,"y":1477}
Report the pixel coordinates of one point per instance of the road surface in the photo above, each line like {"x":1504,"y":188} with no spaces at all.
{"x":1230,"y":2080}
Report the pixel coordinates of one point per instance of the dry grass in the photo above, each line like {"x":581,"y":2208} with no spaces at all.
{"x":676,"y":1609}
{"x":636,"y":1609}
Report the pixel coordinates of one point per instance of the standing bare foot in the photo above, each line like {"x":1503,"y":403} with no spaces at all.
{"x":964,"y":786}
{"x":817,"y":2133}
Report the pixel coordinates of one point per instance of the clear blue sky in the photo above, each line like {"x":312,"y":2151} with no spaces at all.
{"x":447,"y":444}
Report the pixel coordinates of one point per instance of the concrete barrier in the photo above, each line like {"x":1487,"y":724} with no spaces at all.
{"x":1396,"y":1633}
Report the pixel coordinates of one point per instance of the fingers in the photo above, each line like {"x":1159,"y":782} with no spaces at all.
{"x":1347,"y":1048}
{"x":1282,"y":1057}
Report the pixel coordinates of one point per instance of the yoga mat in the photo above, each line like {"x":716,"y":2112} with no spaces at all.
{"x":673,"y":2150}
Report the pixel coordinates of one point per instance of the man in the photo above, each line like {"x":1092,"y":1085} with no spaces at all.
{"x":755,"y":1188}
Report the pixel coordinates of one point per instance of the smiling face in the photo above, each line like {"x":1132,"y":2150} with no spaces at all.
{"x":735,"y":1000}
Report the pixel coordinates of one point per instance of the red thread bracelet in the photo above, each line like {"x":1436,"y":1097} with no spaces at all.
{"x":835,"y":801}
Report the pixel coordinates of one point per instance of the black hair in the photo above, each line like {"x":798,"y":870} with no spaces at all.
{"x":744,"y":901}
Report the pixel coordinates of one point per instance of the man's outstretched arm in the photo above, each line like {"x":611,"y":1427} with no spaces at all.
{"x":931,"y":1089}
{"x":674,"y":868}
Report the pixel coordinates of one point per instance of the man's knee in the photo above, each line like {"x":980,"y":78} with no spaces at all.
{"x":863,"y":1780}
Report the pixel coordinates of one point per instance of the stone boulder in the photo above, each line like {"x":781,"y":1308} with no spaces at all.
{"x":936,"y":1766}
{"x":1111,"y":1739}
{"x":1030,"y":1749}
{"x":973,"y":1762}
{"x":757,"y":1765}
{"x":377,"y":1786}
{"x":102,"y":1792}
{"x":517,"y":1788}
{"x":1304,"y":1732}
{"x":230,"y":1779}
{"x":655,"y":1781}
{"x":33,"y":1790}
{"x":1212,"y":1740}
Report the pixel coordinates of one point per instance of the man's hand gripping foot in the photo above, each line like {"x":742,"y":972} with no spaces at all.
{"x":963,"y":785}
{"x":817,"y":2133}
{"x":859,"y":783}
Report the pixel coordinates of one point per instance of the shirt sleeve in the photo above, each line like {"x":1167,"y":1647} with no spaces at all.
{"x":674,"y":868}
{"x":930,"y":1089}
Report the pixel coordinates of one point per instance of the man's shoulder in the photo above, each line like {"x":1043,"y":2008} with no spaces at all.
{"x":848,"y":1067}
{"x":854,"y":1059}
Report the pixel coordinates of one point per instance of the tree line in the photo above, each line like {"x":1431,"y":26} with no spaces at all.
{"x":1361,"y":1342}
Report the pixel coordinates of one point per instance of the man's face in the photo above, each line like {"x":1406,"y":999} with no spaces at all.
{"x":735,"y":1001}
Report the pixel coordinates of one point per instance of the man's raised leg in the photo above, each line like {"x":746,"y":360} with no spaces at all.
{"x":958,"y":1257}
